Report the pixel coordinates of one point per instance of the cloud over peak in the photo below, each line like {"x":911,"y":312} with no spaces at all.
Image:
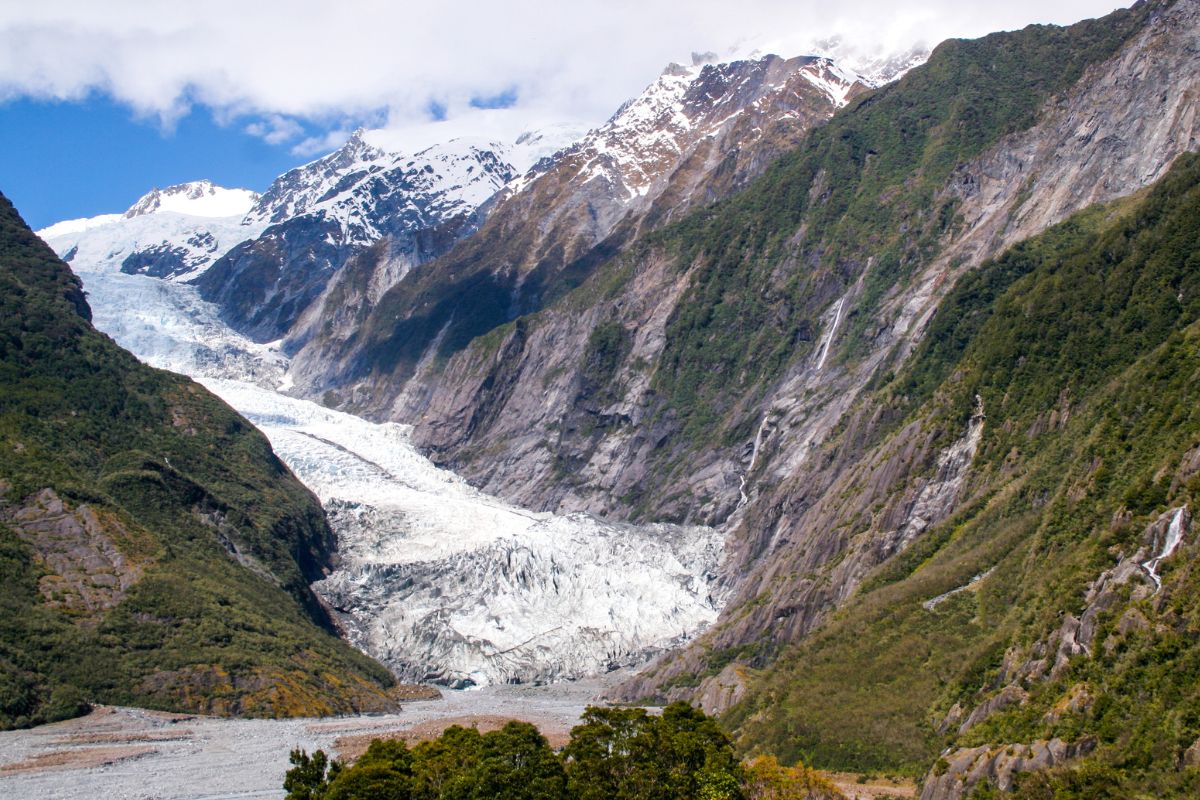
{"x":296,"y":71}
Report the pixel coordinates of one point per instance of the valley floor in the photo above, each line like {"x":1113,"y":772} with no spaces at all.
{"x":136,"y":755}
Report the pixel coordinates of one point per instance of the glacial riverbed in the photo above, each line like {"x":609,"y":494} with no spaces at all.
{"x":132,"y":754}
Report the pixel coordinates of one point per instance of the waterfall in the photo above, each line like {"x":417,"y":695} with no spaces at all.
{"x":1174,"y":535}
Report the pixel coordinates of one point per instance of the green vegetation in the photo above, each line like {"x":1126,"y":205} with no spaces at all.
{"x":1084,"y":344}
{"x":864,"y":201}
{"x":616,"y":754}
{"x":858,"y":197}
{"x":153,"y":549}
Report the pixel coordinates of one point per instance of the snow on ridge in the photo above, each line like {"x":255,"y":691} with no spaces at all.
{"x":72,"y":226}
{"x":835,"y":81}
{"x":176,"y":232}
{"x":647,"y":134}
{"x":200,"y":198}
{"x":352,"y":184}
{"x":643,"y":131}
{"x":183,"y":245}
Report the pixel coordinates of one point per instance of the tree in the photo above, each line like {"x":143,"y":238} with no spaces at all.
{"x":517,"y":763}
{"x":309,"y":778}
{"x":604,"y":751}
{"x":441,"y":767}
{"x":627,"y":754}
{"x":384,"y":772}
{"x":766,"y":779}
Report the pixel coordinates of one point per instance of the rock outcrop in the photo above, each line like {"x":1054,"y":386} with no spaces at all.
{"x":964,"y":769}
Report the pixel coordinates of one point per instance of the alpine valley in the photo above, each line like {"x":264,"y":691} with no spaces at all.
{"x":854,"y":403}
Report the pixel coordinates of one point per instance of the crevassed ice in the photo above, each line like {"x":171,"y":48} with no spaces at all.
{"x":438,"y":580}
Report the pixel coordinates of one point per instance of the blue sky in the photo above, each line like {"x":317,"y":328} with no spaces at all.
{"x":75,"y":159}
{"x":102,"y":101}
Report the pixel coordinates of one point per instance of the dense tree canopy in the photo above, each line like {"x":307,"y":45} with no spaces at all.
{"x":615,"y":754}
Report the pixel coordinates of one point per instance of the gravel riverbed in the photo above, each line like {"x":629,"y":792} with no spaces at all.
{"x":133,"y":754}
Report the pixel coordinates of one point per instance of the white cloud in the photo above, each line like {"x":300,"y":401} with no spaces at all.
{"x":325,"y":63}
{"x":314,"y":145}
{"x":275,"y":129}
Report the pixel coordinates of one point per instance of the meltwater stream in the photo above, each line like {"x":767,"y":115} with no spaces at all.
{"x":440,"y":582}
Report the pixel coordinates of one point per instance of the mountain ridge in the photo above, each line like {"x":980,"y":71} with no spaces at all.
{"x":641,"y":169}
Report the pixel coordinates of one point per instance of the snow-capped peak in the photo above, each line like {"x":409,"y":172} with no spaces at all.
{"x":640,"y":144}
{"x":72,"y":226}
{"x":196,"y":199}
{"x":174,"y":233}
{"x":371,"y":191}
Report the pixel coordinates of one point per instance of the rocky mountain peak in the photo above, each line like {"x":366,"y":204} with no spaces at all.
{"x":645,"y":140}
{"x":363,"y":187}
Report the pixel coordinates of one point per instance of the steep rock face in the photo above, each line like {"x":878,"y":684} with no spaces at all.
{"x":317,"y":216}
{"x":999,"y":765}
{"x":578,"y":427}
{"x":819,"y":291}
{"x":87,"y":572}
{"x":1117,"y":129}
{"x":696,"y":134}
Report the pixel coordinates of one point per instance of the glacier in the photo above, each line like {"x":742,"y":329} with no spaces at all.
{"x":437,"y":580}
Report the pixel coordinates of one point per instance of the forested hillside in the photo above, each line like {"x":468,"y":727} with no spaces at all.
{"x":153,"y":550}
{"x":1036,"y":612}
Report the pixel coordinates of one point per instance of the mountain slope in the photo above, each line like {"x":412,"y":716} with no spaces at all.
{"x":694,"y":135}
{"x":704,"y":362}
{"x":1059,"y":601}
{"x":731,"y":368}
{"x":815,"y":508}
{"x":154,"y":550}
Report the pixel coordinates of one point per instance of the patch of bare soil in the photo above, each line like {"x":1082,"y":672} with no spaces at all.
{"x":124,"y":738}
{"x":872,"y":789}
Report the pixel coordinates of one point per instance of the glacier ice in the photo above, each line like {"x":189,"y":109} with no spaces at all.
{"x":443,"y":583}
{"x":439,"y":581}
